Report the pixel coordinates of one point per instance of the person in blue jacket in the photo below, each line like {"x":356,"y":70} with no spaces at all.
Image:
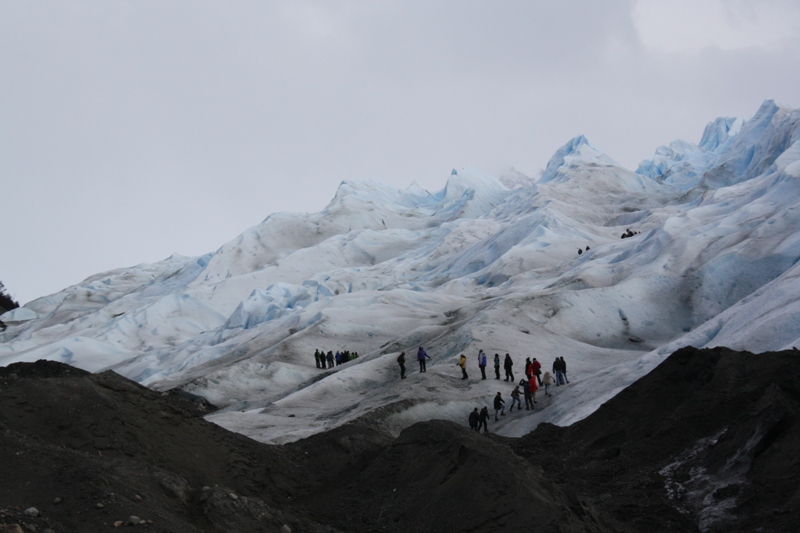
{"x":421,"y":357}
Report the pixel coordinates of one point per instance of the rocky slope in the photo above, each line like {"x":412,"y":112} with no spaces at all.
{"x":705,"y":442}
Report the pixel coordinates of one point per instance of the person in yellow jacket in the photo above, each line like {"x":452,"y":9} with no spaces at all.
{"x":463,"y":364}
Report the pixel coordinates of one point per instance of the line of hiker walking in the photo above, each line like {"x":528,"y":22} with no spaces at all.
{"x":533,"y":368}
{"x":482,"y":363}
{"x":526,"y":389}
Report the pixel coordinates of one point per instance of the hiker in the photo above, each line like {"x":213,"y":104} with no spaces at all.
{"x":401,"y":360}
{"x":338,"y":358}
{"x":527,"y":392}
{"x":482,"y":363}
{"x":483,"y":420}
{"x":316,"y":358}
{"x":499,"y":406}
{"x":537,"y":370}
{"x":421,"y":356}
{"x":507,"y":364}
{"x":532,"y":388}
{"x":329,"y":357}
{"x":515,"y":399}
{"x":462,"y":362}
{"x":528,"y":367}
{"x":564,"y":368}
{"x":547,"y":380}
{"x":558,"y":372}
{"x":497,"y":366}
{"x":473,"y":420}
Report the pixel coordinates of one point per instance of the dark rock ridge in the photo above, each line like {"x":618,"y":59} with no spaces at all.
{"x":706,"y":442}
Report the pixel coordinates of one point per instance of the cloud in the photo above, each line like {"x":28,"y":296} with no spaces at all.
{"x":687,"y":26}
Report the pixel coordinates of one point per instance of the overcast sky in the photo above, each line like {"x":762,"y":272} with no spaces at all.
{"x":133,"y":130}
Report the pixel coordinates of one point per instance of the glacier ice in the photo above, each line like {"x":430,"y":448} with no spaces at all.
{"x":482,"y":263}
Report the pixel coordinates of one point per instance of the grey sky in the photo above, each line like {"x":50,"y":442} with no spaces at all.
{"x":133,"y":130}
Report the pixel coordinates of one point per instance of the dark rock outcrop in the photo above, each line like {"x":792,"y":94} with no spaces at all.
{"x":705,"y":442}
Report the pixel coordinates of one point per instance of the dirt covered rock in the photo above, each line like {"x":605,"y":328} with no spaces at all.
{"x":706,"y":442}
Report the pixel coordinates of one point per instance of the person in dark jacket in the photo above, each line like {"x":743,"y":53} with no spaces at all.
{"x":421,"y":357}
{"x":329,"y":357}
{"x":515,"y":400}
{"x":507,"y":364}
{"x":473,"y":420}
{"x":499,"y":406}
{"x":483,"y":420}
{"x":401,"y":360}
{"x":497,"y":366}
{"x":564,"y":368}
{"x":557,"y":370}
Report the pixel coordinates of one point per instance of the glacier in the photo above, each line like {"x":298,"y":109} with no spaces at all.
{"x":485,"y":263}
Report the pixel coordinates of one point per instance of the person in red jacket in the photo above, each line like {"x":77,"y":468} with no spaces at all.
{"x":537,"y":370}
{"x":527,"y":392}
{"x":533,"y":388}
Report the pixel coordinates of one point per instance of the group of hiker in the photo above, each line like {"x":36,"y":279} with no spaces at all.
{"x":480,"y":419}
{"x":526,"y":387}
{"x":532,"y":368}
{"x":330,"y":359}
{"x":482,"y":363}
